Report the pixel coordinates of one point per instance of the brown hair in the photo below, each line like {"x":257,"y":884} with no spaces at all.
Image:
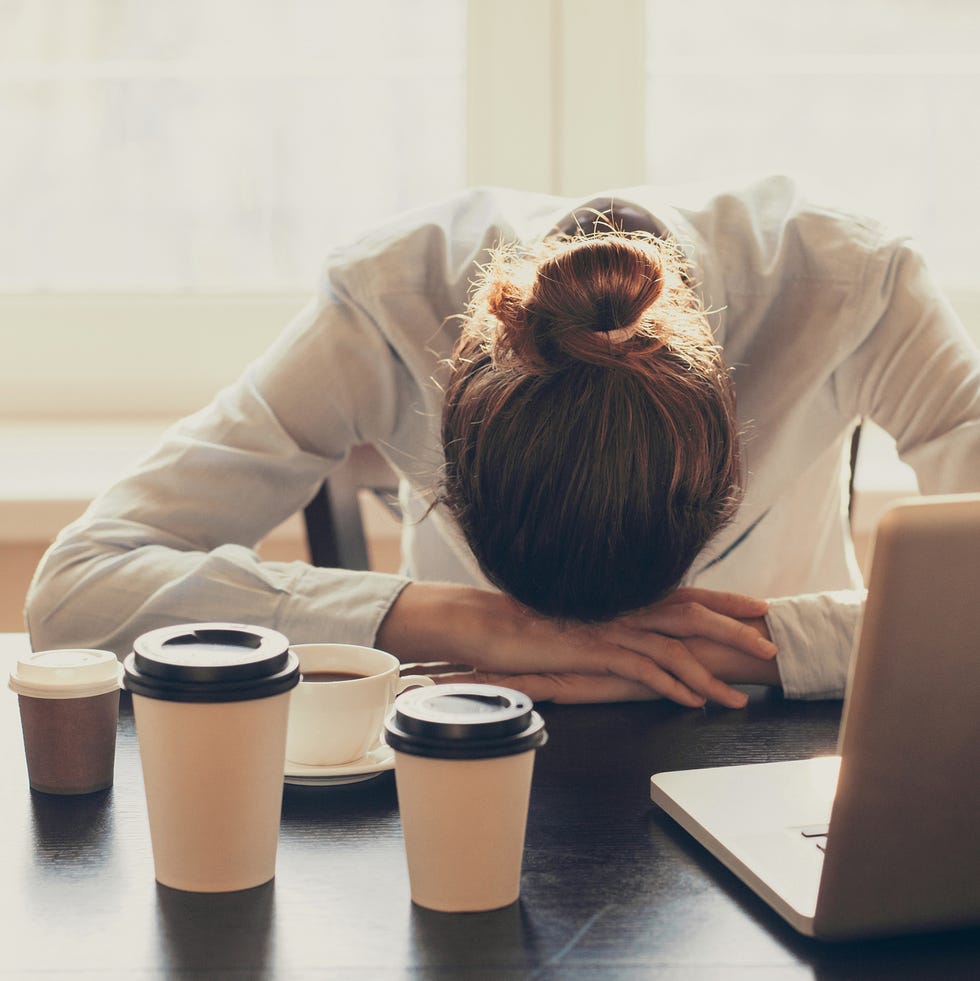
{"x":588,"y":425}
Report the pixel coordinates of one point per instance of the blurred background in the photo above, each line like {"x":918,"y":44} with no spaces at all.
{"x":172,"y":175}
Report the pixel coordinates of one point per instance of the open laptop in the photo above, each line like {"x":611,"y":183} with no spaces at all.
{"x":885,"y":837}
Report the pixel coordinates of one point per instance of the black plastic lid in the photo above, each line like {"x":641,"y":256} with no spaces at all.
{"x":211,"y":662}
{"x":465,"y":721}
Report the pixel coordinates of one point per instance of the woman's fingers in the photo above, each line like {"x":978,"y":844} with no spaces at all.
{"x":562,"y":688}
{"x":656,"y":663}
{"x":730,"y":604}
{"x":640,"y":679}
{"x":674,"y":659}
{"x":645,"y":652}
{"x":576,"y":688}
{"x":696,"y":614}
{"x":660,"y":663}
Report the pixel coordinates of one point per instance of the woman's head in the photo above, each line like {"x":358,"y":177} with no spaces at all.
{"x":589,"y":425}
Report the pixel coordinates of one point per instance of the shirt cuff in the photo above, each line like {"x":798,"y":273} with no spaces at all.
{"x":815,"y":635}
{"x":335,"y":606}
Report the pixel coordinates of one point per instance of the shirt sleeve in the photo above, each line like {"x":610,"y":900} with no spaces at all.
{"x":916,"y":373}
{"x":814,"y":634}
{"x":174,"y":541}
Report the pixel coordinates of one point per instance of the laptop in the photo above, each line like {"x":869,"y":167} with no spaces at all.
{"x":883,"y":838}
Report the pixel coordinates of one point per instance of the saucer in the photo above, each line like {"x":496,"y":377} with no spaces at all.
{"x":373,"y":764}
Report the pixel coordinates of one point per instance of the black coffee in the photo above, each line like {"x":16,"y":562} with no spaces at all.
{"x":331,"y":676}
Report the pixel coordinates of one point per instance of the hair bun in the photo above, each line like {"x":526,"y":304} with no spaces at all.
{"x":576,"y":302}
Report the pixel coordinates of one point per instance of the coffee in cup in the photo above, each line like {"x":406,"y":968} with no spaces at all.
{"x":337,"y":711}
{"x":464,"y":755}
{"x":69,"y":710}
{"x":211,"y":704}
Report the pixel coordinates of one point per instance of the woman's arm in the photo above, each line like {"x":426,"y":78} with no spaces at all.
{"x":684,"y":648}
{"x":916,"y":373}
{"x":173,"y":540}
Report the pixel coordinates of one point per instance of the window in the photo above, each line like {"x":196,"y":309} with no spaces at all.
{"x":172,"y":175}
{"x":874,"y":98}
{"x":217,"y":145}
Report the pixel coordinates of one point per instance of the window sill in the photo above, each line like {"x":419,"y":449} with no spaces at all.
{"x":53,"y":470}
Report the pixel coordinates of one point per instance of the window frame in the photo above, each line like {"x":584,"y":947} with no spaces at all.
{"x":79,"y":355}
{"x":540,"y":116}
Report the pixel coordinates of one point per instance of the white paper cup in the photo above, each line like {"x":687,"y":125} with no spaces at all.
{"x":213,"y":775}
{"x":335,"y":722}
{"x":464,"y":757}
{"x":211,"y":703}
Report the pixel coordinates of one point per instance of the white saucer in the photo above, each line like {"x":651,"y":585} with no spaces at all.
{"x":376,"y":762}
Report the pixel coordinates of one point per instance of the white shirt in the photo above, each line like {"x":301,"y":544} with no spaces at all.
{"x":823,"y":317}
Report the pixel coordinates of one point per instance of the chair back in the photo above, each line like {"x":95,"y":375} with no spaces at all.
{"x":334,"y":524}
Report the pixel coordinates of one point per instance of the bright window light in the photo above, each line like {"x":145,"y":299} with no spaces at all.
{"x":875,"y":99}
{"x":217,"y":145}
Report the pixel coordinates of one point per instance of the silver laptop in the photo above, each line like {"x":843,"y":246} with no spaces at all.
{"x":885,"y":837}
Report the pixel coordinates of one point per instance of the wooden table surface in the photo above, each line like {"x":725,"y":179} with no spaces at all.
{"x":612,"y":888}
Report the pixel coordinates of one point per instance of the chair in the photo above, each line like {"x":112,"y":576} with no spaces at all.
{"x":334,"y":526}
{"x":855,"y":449}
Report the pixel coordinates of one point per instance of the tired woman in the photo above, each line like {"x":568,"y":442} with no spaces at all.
{"x":621,"y":428}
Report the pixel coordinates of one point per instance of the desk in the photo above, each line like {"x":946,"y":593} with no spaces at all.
{"x":612,"y":888}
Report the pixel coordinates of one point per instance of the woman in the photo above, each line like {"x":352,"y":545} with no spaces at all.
{"x":566,"y":432}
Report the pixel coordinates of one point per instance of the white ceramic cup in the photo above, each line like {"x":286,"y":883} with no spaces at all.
{"x":335,"y":722}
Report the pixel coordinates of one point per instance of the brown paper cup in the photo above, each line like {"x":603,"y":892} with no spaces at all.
{"x":69,"y":708}
{"x":70,"y":743}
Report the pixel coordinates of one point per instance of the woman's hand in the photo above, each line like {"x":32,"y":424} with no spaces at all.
{"x":640,"y":655}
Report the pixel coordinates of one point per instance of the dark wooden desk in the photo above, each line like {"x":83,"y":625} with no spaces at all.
{"x":611,"y":889}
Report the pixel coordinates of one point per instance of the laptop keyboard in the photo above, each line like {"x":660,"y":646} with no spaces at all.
{"x":816,"y":833}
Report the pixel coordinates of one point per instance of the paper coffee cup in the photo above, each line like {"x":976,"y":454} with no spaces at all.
{"x":69,"y":710}
{"x":338,"y":709}
{"x":211,"y":703}
{"x":464,"y":756}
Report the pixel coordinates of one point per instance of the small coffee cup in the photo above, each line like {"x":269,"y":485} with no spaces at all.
{"x":464,"y":758}
{"x":69,"y":708}
{"x":337,"y":710}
